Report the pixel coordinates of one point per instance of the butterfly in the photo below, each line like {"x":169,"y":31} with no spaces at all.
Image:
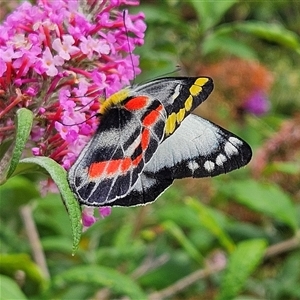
{"x":147,"y":138}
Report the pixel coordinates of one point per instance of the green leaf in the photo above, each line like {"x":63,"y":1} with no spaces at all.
{"x":292,"y":168}
{"x":214,"y":43}
{"x":242,"y":262}
{"x":57,"y":244}
{"x":271,"y":32}
{"x":59,"y":176}
{"x":11,"y":263}
{"x":4,"y":146}
{"x":50,"y":215}
{"x":9,"y":289}
{"x":29,"y":168}
{"x":289,"y":277}
{"x":10,"y":160}
{"x":154,"y":16}
{"x":263,"y":197}
{"x":176,"y":211}
{"x":17,"y":191}
{"x":177,"y":232}
{"x":209,"y":12}
{"x":207,"y":219}
{"x":98,"y":276}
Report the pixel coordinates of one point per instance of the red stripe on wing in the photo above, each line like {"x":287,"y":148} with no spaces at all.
{"x":136,"y":103}
{"x":108,"y":168}
{"x":126,"y":164}
{"x":137,"y":160}
{"x":113,"y":166}
{"x":97,"y":169}
{"x":152,"y":117}
{"x":145,"y":139}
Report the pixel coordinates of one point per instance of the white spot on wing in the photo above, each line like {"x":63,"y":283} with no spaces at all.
{"x":193,"y":165}
{"x":176,"y":92}
{"x":230,"y":149}
{"x":130,"y":150}
{"x":233,"y":140}
{"x":221,"y":158}
{"x":209,"y":166}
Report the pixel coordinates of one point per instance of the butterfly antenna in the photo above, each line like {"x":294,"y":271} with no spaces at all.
{"x":178,"y":69}
{"x":95,"y":115}
{"x":130,"y":51}
{"x":80,"y":108}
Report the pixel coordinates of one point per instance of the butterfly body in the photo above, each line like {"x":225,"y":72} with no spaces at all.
{"x":147,"y":138}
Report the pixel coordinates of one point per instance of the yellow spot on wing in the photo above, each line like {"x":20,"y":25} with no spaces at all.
{"x":113,"y":100}
{"x":175,"y":119}
{"x":188,"y":103}
{"x":170,"y":124}
{"x":180,"y":115}
{"x":196,"y":88}
{"x":201,"y":81}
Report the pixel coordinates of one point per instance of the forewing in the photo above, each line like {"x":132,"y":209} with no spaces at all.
{"x":132,"y":127}
{"x":179,"y":95}
{"x":125,"y":141}
{"x":178,"y":92}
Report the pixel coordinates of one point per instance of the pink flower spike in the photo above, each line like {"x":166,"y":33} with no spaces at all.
{"x":57,"y":58}
{"x":105,"y":211}
{"x":48,"y":186}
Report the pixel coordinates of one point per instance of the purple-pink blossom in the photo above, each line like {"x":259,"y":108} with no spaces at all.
{"x":65,"y":47}
{"x":57,"y":58}
{"x":63,"y":58}
{"x":88,"y":218}
{"x":257,"y":104}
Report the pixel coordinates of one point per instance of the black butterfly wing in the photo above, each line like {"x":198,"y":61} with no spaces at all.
{"x":134,"y":122}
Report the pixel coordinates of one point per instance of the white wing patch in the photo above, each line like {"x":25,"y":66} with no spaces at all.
{"x":221,"y":158}
{"x":193,"y":165}
{"x":230,"y":149}
{"x":198,"y":148}
{"x":176,"y":92}
{"x":209,"y":166}
{"x":195,"y":135}
{"x":235,"y":141}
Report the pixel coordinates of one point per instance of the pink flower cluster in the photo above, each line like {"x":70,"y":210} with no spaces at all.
{"x":57,"y":59}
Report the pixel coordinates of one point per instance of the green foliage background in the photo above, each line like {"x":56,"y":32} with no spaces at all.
{"x":232,"y":237}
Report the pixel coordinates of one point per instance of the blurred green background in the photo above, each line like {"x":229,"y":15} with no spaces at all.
{"x":235,"y":236}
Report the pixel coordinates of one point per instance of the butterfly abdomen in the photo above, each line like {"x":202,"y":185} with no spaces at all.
{"x":114,"y":100}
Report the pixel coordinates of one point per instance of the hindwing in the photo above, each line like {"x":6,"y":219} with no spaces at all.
{"x":205,"y":150}
{"x":133,"y":124}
